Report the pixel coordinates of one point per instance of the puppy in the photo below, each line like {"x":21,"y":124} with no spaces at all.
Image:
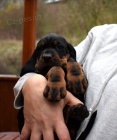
{"x":55,"y":59}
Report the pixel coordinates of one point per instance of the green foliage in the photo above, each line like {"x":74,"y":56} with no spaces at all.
{"x":74,"y":18}
{"x":10,"y":60}
{"x":11,"y":16}
{"x":70,"y":18}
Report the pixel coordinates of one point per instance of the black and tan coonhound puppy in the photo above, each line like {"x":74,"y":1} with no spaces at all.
{"x":55,"y":58}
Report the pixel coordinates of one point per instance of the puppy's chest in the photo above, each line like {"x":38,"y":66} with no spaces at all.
{"x":44,"y":71}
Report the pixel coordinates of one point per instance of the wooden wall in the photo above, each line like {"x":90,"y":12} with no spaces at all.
{"x":8,"y":115}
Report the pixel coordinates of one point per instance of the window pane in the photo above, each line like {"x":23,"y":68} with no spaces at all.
{"x":70,"y":18}
{"x":11,"y":26}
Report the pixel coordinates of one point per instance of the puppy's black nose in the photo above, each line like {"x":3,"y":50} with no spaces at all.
{"x":47,"y":56}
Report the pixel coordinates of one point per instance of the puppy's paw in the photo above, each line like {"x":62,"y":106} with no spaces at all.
{"x":54,"y":91}
{"x":78,"y":112}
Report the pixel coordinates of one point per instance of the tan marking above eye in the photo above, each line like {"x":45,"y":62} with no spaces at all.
{"x":42,"y":43}
{"x":55,"y":42}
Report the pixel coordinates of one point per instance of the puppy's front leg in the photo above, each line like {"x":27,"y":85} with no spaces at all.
{"x":76,"y":80}
{"x":76,"y":84}
{"x":55,"y":89}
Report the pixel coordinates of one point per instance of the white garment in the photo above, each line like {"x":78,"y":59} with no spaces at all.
{"x":98,"y":54}
{"x":18,"y":102}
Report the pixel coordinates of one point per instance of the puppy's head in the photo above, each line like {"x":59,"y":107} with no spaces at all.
{"x":53,"y":50}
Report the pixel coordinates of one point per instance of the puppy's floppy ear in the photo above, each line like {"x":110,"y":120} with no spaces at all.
{"x":30,"y":64}
{"x":71,"y":50}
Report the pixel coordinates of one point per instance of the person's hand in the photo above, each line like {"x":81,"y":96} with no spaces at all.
{"x":42,"y":117}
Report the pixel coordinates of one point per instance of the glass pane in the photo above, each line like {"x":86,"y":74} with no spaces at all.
{"x":74,"y":18}
{"x":11,"y":26}
{"x":70,"y":18}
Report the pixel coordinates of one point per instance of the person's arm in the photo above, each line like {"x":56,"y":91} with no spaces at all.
{"x":42,"y":117}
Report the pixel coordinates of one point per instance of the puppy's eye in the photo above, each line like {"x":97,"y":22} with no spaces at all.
{"x":59,"y":46}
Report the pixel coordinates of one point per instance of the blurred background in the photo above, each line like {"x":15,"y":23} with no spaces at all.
{"x":70,"y":18}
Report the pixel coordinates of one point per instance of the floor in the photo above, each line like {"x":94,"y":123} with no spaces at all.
{"x":9,"y":136}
